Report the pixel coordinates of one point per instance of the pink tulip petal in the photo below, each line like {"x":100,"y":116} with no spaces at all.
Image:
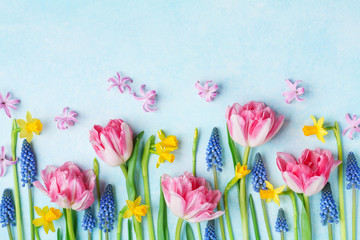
{"x":314,"y":185}
{"x":293,"y":182}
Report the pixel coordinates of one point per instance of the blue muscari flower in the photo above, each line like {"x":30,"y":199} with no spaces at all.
{"x":213,"y":151}
{"x":106,"y":213}
{"x":281,"y":224}
{"x":352,"y":172}
{"x":7,"y":209}
{"x":88,"y":222}
{"x":210,"y":231}
{"x":328,"y":208}
{"x":258,"y":174}
{"x":27,"y":164}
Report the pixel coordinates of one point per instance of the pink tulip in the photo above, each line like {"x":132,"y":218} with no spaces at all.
{"x":190,"y":198}
{"x":310,"y":174}
{"x":253,"y":124}
{"x":68,"y":186}
{"x":113,"y":143}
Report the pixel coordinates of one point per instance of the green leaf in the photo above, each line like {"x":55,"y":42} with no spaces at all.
{"x":162,"y":229}
{"x":304,"y":220}
{"x":254,"y":219}
{"x":58,"y":234}
{"x":189,"y":232}
{"x":234,"y":152}
{"x":129,"y":230}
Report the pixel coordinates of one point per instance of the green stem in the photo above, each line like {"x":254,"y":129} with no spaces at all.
{"x":243,"y":209}
{"x":70,"y":224}
{"x":340,"y":182}
{"x":330,"y":231}
{"x":266,"y":219}
{"x":97,"y":172}
{"x":221,"y":220}
{"x":199,"y":230}
{"x":227,"y":214}
{"x":9,"y":232}
{"x":144,"y":168}
{"x":307,"y":207}
{"x":31,"y":210}
{"x":353,"y":213}
{"x":254,"y":219}
{"x":124,"y":170}
{"x":178,"y":229}
{"x":120,"y":219}
{"x":89,"y":235}
{"x":14,"y":136}
{"x":196,"y":137}
{"x":293,"y":200}
{"x":107,"y":235}
{"x":282,"y":235}
{"x":37,"y":234}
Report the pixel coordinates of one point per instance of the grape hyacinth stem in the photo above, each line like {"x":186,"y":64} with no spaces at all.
{"x":330,"y":231}
{"x":9,"y":232}
{"x":222,"y":229}
{"x":353,"y":213}
{"x":31,"y":210}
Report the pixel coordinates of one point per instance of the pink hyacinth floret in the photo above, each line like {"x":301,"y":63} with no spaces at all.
{"x":68,"y":118}
{"x":353,"y":126}
{"x":4,"y":161}
{"x":148,"y":98}
{"x":294,"y":92}
{"x":7,"y":103}
{"x":208,"y":92}
{"x":120,"y":83}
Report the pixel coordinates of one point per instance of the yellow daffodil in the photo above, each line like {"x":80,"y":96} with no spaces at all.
{"x":164,"y":154}
{"x":317,"y":129}
{"x":169,"y":143}
{"x":47,"y":216}
{"x":28,"y":127}
{"x":271,"y":193}
{"x":241,"y":171}
{"x":134,"y":208}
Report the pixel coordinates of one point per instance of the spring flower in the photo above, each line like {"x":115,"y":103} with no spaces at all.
{"x":310,"y":173}
{"x":106,"y":213}
{"x":241,"y":171}
{"x":148,"y":98}
{"x":47,"y":216}
{"x":7,"y":209}
{"x":5,"y":161}
{"x":190,"y":198}
{"x":88,"y":222}
{"x":120,"y":83}
{"x":328,"y":208}
{"x":294,"y":92}
{"x":163,"y":155}
{"x":169,"y":143}
{"x":134,"y":208}
{"x":113,"y":143}
{"x":281,"y":225}
{"x":259,"y":175}
{"x":68,"y":118}
{"x":352,"y":172}
{"x":29,"y":127}
{"x":68,"y":186}
{"x":206,"y":91}
{"x":354,"y":126}
{"x":317,"y":129}
{"x":271,"y":194}
{"x":28,"y":165}
{"x":7,"y":103}
{"x":210,"y":233}
{"x":213,"y":151}
{"x":252,"y":124}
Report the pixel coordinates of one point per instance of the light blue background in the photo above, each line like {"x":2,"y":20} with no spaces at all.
{"x":54,"y":55}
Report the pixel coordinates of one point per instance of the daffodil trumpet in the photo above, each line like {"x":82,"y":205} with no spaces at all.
{"x":240,"y":173}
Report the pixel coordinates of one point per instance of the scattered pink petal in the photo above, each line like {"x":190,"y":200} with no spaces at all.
{"x":206,"y":91}
{"x":120,"y":83}
{"x":148,"y":98}
{"x":294,"y":92}
{"x":4,"y":161}
{"x":354,"y":126}
{"x":68,"y":118}
{"x":7,"y":103}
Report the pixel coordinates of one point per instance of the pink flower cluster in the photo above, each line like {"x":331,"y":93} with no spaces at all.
{"x":122,"y":83}
{"x":354,"y":125}
{"x":7,"y":103}
{"x":208,"y":92}
{"x":294,"y":91}
{"x":68,"y":118}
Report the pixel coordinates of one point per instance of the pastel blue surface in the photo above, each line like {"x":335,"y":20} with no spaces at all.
{"x":55,"y":55}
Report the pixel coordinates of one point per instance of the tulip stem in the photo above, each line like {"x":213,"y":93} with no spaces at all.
{"x":340,"y":182}
{"x":14,"y":137}
{"x":70,"y":224}
{"x":354,"y":213}
{"x":124,"y":170}
{"x":216,"y":185}
{"x":266,"y":219}
{"x":227,"y":214}
{"x":293,"y":200}
{"x":243,"y":209}
{"x":178,"y":229}
{"x":307,"y":207}
{"x":144,"y":168}
{"x":9,"y":232}
{"x":31,"y":210}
